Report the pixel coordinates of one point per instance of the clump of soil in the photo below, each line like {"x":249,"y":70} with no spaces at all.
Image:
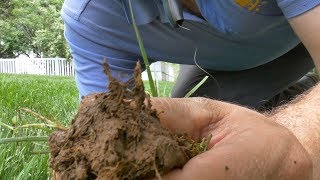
{"x":110,"y":138}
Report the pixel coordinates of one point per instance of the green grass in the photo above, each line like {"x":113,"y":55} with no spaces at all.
{"x":53,"y":97}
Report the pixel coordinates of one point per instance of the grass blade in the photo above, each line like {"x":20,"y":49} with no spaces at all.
{"x":23,"y":139}
{"x":51,"y":122}
{"x":36,"y":125}
{"x":196,"y":87}
{"x":153,"y":89}
{"x":42,"y":126}
{"x":6,"y":125}
{"x":40,"y":152}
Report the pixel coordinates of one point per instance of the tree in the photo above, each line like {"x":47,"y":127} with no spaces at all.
{"x":32,"y":26}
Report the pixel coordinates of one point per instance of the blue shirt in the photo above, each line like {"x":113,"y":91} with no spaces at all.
{"x":232,"y":35}
{"x":254,"y":24}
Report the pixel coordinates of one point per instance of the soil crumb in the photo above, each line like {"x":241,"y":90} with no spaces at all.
{"x":109,"y":138}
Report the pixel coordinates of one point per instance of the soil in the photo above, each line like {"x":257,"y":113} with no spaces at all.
{"x":110,"y":138}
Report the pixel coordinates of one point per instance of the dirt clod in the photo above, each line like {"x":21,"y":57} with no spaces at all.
{"x":110,"y":138}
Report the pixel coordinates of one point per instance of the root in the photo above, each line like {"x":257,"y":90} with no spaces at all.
{"x":156,"y":171}
{"x":48,"y":121}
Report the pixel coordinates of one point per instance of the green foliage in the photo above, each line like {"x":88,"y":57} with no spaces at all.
{"x":163,"y":86}
{"x":56,"y":98}
{"x":32,"y":26}
{"x":53,"y":97}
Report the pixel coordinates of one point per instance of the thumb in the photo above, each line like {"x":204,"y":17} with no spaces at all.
{"x":190,"y":115}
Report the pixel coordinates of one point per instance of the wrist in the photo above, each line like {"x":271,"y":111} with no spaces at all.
{"x":305,"y":130}
{"x":302,"y":118}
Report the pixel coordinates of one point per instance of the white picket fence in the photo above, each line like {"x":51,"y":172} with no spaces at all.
{"x":61,"y":67}
{"x":38,"y":66}
{"x":160,"y":72}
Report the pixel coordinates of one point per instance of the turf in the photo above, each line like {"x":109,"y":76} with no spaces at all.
{"x":53,"y":97}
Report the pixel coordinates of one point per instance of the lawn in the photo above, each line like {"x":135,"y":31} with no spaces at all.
{"x":56,"y":98}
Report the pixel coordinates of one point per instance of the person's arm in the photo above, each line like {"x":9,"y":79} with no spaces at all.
{"x":307,"y":27}
{"x":302,"y":118}
{"x":244,"y":145}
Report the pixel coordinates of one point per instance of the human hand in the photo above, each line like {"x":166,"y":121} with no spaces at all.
{"x":244,"y":145}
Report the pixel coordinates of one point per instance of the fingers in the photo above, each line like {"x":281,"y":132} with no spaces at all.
{"x":206,"y":166}
{"x":222,"y":163}
{"x":190,"y":115}
{"x":249,"y":154}
{"x":243,"y":145}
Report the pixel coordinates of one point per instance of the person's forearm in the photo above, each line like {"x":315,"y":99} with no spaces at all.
{"x":302,"y":117}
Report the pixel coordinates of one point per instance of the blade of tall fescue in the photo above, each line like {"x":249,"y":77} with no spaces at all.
{"x":196,"y":87}
{"x":24,"y":139}
{"x":153,"y":89}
